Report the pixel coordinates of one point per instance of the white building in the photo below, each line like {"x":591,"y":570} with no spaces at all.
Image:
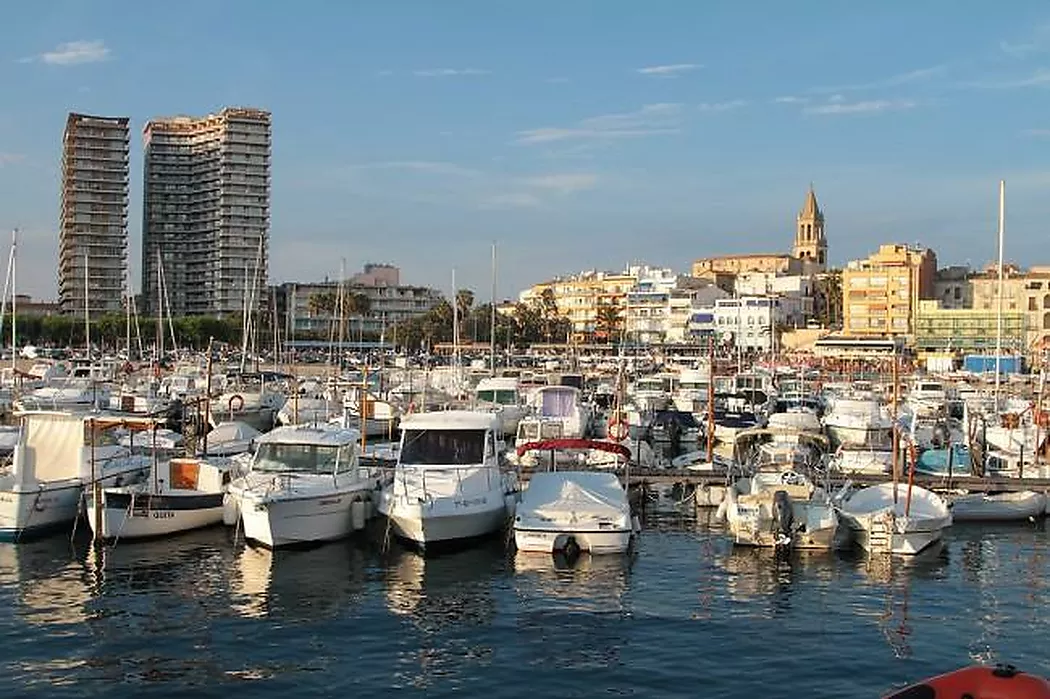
{"x":657,"y":314}
{"x":794,"y":292}
{"x":748,"y":322}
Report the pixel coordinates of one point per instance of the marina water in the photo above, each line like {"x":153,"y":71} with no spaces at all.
{"x":684,"y":615}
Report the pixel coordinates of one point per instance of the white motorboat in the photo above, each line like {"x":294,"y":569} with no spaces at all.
{"x":180,"y":495}
{"x":228,"y":439}
{"x":856,"y":422}
{"x":894,"y":517}
{"x":501,"y":394}
{"x":447,"y":483}
{"x":780,"y":509}
{"x":559,"y":412}
{"x":574,"y":511}
{"x":56,"y":456}
{"x":858,"y":460}
{"x":304,"y":485}
{"x":1022,"y":506}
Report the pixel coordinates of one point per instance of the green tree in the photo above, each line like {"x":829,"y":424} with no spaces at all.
{"x":828,"y":300}
{"x":608,"y":322}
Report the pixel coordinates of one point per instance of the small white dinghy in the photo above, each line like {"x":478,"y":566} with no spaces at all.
{"x":581,"y":511}
{"x":1020,"y":506}
{"x":181,"y":495}
{"x":894,"y":517}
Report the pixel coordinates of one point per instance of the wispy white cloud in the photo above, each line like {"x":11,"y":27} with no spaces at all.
{"x":11,"y":158}
{"x":790,"y":99}
{"x":671,"y":70}
{"x":430,"y":167}
{"x":1037,"y":133}
{"x":721,"y":106}
{"x":563,"y":182}
{"x":1037,"y":41}
{"x":72,"y":53}
{"x":1035,"y":79}
{"x":510,"y":200}
{"x":650,"y":120}
{"x":865,"y":107}
{"x":448,"y":72}
{"x":910,"y":77}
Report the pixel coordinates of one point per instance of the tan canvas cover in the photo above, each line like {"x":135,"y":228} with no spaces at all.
{"x":51,"y":447}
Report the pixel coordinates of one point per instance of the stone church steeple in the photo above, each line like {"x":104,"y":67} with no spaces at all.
{"x":811,"y":245}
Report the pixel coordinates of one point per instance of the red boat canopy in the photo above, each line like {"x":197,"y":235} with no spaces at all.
{"x":552,"y":444}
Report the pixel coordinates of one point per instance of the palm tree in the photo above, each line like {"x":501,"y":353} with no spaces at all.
{"x":358,"y":305}
{"x":464,"y":301}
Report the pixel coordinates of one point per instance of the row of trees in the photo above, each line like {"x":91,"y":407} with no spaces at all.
{"x":111,"y":330}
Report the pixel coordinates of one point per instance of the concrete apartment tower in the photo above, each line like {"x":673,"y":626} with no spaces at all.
{"x":206,"y":212}
{"x":811,"y":243}
{"x":94,"y":222}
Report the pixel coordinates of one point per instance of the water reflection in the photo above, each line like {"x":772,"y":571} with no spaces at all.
{"x":753,"y":573}
{"x":595,"y":584}
{"x":45,"y":580}
{"x":298,"y":584}
{"x":437,"y":592}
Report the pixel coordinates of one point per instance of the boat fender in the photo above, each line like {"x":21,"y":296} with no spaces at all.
{"x":618,"y":429}
{"x":230,"y":511}
{"x":722,"y":511}
{"x":1000,"y":682}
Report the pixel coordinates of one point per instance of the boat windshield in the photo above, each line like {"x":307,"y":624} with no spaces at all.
{"x":443,"y":447}
{"x":558,"y":403}
{"x":302,"y":458}
{"x":504,"y":396}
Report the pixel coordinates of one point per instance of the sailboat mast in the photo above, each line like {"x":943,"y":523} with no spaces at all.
{"x":9,"y":285}
{"x":14,"y":301}
{"x":492,"y":319}
{"x":999,"y":303}
{"x":455,"y":324}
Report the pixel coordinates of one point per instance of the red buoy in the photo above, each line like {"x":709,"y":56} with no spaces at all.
{"x":999,"y":682}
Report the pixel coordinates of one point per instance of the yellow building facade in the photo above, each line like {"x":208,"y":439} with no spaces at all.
{"x":1024,"y":292}
{"x":578,"y":297}
{"x":940,"y":329}
{"x":881,"y":294}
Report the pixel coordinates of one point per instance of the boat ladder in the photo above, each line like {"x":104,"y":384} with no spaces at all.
{"x":880,"y":536}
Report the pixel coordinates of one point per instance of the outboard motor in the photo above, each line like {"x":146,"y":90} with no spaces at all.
{"x":783,"y":517}
{"x":941,"y":435}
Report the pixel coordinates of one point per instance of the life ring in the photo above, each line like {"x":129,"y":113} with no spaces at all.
{"x":236,"y":398}
{"x":618,"y":428}
{"x":1003,"y":681}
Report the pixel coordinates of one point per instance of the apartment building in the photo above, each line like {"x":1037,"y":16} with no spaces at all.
{"x":578,"y":297}
{"x":206,"y":212}
{"x":310,"y":309}
{"x":93,"y":228}
{"x":1025,"y":292}
{"x":881,"y":293}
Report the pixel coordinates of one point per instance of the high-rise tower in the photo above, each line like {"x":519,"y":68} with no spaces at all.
{"x":94,"y":222}
{"x":811,"y":244}
{"x":206,"y":212}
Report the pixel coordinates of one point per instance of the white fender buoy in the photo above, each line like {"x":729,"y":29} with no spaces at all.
{"x":230,"y":510}
{"x":358,"y":512}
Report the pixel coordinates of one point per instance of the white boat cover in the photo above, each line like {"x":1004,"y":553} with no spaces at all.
{"x":587,"y":495}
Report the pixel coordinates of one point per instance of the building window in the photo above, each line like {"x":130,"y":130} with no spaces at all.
{"x":1046,"y":301}
{"x":1033,"y":303}
{"x":1046,"y":321}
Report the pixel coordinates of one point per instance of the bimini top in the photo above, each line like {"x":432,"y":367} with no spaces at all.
{"x":498,"y":383}
{"x":451,"y":420}
{"x":322,"y":435}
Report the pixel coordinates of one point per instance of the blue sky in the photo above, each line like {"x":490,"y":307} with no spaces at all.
{"x":576,"y":135}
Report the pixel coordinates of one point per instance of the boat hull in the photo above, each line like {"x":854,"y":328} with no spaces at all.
{"x":28,"y":513}
{"x":903,"y":536}
{"x":550,"y":540}
{"x":140,"y":515}
{"x":276,"y":521}
{"x":1003,"y":507}
{"x":438,"y":521}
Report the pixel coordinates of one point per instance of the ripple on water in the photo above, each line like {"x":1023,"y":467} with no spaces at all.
{"x":684,"y":614}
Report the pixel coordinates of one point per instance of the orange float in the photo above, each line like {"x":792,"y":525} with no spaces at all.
{"x":999,"y":682}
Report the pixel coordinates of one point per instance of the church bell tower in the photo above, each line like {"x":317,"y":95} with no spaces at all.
{"x":811,"y":245}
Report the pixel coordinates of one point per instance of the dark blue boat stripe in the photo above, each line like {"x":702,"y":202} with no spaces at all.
{"x":144,"y":501}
